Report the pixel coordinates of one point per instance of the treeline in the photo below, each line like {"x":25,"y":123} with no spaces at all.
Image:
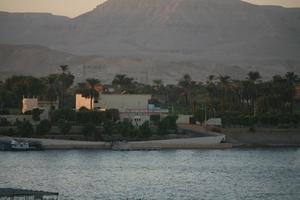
{"x":51,"y":88}
{"x":219,"y":96}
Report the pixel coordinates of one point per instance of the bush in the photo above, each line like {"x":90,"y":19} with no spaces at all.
{"x":4,"y":122}
{"x":43,"y":127}
{"x":89,"y":117}
{"x":36,"y":114}
{"x":83,"y":109}
{"x":4,"y":112}
{"x":155,"y":119}
{"x":145,"y":130}
{"x":167,"y":124}
{"x":89,"y":130}
{"x":63,"y":115}
{"x":112,"y":114}
{"x":24,"y":128}
{"x":109,"y":127}
{"x":126,"y":129}
{"x":64,"y":127}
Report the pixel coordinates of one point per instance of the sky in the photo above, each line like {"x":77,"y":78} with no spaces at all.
{"x":73,"y":8}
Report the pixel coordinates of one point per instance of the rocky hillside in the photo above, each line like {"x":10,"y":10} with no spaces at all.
{"x":194,"y":36}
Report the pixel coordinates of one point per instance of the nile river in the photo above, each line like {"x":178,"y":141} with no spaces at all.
{"x":243,"y":174}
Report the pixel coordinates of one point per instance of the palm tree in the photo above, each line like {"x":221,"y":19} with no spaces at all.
{"x":185,"y":84}
{"x":123,"y":82}
{"x":253,"y":78}
{"x":92,"y":88}
{"x":157,"y":84}
{"x":66,"y":79}
{"x":224,"y":82}
{"x":51,"y":88}
{"x":292,"y":79}
{"x":64,"y":68}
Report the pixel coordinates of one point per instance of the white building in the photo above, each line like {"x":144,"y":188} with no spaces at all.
{"x":134,"y":107}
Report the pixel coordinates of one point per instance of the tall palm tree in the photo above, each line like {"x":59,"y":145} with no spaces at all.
{"x":51,"y":88}
{"x":185,"y":84}
{"x":224,"y":82}
{"x":66,"y":79}
{"x":64,"y":68}
{"x":157,"y":84}
{"x":292,"y":79}
{"x":123,"y":82}
{"x":92,"y":88}
{"x":253,"y":78}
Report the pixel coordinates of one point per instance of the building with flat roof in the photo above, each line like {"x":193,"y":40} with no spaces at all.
{"x":134,"y":107}
{"x":29,"y":104}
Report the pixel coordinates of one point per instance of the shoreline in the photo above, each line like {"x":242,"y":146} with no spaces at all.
{"x":235,"y":138}
{"x":175,"y":144}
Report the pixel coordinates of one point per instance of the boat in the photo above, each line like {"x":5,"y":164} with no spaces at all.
{"x":20,"y":145}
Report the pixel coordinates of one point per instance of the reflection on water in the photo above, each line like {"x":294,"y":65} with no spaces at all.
{"x":208,"y":174}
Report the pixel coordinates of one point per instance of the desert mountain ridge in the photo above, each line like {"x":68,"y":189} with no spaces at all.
{"x":158,"y":39}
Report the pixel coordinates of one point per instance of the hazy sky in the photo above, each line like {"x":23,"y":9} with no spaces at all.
{"x":74,"y":8}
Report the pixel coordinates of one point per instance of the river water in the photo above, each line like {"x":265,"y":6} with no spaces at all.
{"x":204,"y":174}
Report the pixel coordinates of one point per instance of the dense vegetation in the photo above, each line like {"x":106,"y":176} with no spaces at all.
{"x":249,"y":102}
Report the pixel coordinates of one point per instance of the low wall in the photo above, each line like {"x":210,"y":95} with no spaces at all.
{"x":262,"y":136}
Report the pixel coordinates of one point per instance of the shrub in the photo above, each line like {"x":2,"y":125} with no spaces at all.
{"x":36,"y":114}
{"x":109,"y":127}
{"x":43,"y":127}
{"x":89,"y":130}
{"x":167,"y":124}
{"x":126,"y":129}
{"x":145,"y":130}
{"x":4,"y":112}
{"x":83,"y":109}
{"x":155,"y":119}
{"x":87,"y":117}
{"x":4,"y":122}
{"x":64,"y":127}
{"x":112,"y":114}
{"x":63,"y":115}
{"x":24,"y":128}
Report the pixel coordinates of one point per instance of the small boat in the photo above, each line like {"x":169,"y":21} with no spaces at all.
{"x":12,"y":144}
{"x":20,"y":145}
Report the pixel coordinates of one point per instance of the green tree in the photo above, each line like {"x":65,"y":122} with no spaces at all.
{"x":225,"y":83}
{"x":145,"y":130}
{"x":123,"y":83}
{"x":24,"y":128}
{"x":292,"y":80}
{"x":36,"y":114}
{"x":253,"y":78}
{"x":52,"y":90}
{"x":66,"y":80}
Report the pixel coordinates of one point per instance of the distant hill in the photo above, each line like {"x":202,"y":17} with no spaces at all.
{"x":175,"y":36}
